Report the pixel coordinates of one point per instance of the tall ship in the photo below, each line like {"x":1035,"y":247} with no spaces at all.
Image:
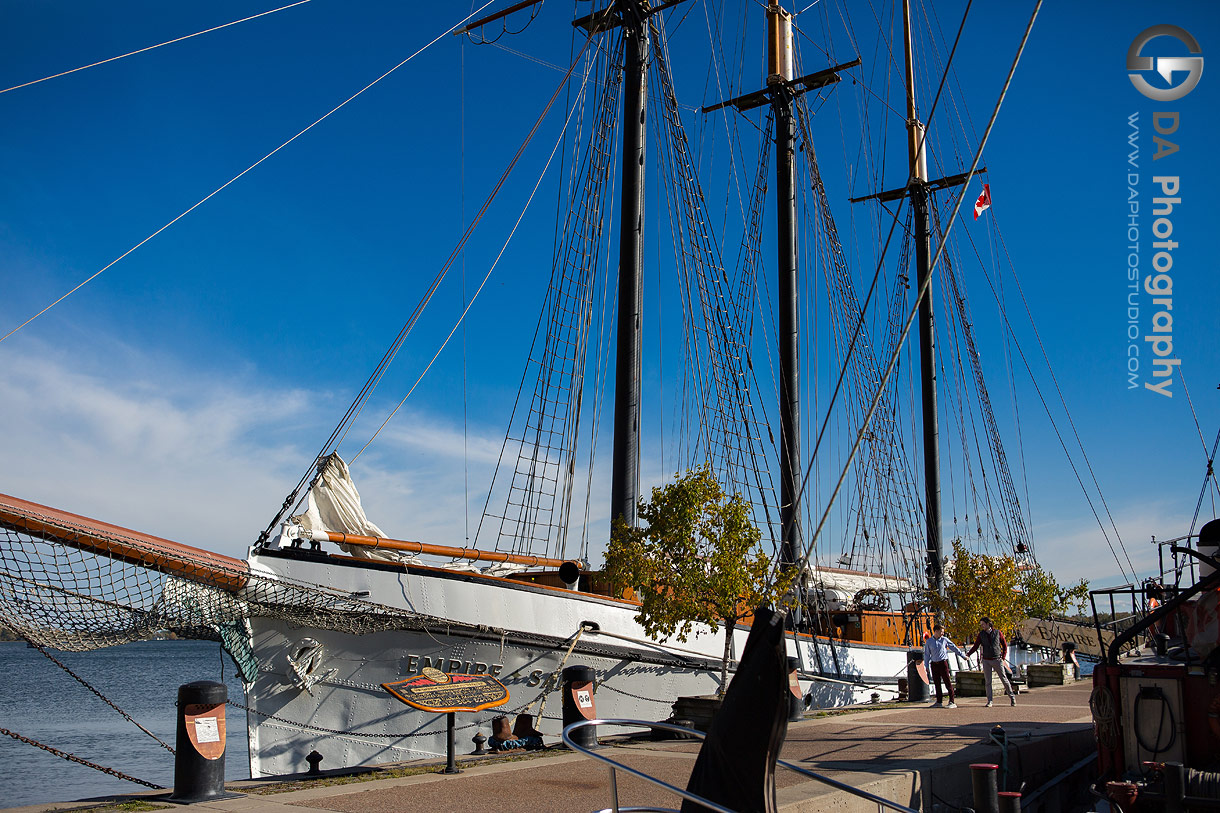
{"x":831,"y":382}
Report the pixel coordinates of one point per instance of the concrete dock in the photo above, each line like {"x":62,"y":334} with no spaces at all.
{"x":911,"y":754}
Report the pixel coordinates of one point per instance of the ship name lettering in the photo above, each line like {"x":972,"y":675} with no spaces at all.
{"x":535,"y":678}
{"x":452,"y":666}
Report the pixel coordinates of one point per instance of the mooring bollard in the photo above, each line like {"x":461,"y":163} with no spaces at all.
{"x":917,"y":681}
{"x":578,"y":703}
{"x":796,"y":699}
{"x":983,"y":782}
{"x":199,"y":764}
{"x":1010,"y":801}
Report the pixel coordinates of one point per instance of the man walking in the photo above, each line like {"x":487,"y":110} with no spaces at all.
{"x":936,"y":655}
{"x":993,"y":651}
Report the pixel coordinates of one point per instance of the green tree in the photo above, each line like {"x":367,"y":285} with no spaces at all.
{"x":1046,"y":598}
{"x":696,"y":559}
{"x":977,"y":586}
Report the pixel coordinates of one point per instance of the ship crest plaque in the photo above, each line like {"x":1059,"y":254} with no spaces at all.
{"x":440,"y":692}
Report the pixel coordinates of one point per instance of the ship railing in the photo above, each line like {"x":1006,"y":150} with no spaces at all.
{"x":882,"y":803}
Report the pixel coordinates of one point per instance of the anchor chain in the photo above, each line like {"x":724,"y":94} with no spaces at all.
{"x":633,"y":696}
{"x":325,"y":730}
{"x":101,"y":696}
{"x":76,"y":759}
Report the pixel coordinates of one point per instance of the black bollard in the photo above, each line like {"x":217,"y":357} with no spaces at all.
{"x":796,"y":700}
{"x":199,"y":764}
{"x":983,"y":782}
{"x":917,"y":686}
{"x":578,"y":703}
{"x":1010,"y":801}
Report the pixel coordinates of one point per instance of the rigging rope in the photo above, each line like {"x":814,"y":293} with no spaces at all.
{"x":546,"y":436}
{"x":238,"y":176}
{"x":1129,"y":570}
{"x":340,"y":431}
{"x":923,"y":288}
{"x":152,"y":47}
{"x":470,"y":303}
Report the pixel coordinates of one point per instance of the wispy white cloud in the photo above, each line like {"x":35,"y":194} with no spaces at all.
{"x":207,"y":458}
{"x":1077,"y":549}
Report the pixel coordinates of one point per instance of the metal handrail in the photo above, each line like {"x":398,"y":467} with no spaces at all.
{"x":685,"y":794}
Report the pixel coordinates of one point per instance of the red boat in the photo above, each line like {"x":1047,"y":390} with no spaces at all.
{"x":1156,"y":695}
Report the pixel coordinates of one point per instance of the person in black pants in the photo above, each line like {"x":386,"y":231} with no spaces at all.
{"x":936,"y":654}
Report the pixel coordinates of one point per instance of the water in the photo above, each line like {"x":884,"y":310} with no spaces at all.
{"x":42,"y":702}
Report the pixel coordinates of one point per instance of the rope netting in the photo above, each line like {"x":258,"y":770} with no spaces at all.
{"x":76,"y":584}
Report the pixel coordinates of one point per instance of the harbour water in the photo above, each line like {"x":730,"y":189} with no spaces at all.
{"x":40,"y":701}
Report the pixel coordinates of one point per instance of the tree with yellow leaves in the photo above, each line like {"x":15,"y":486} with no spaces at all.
{"x":697,"y":559}
{"x":978,"y":586}
{"x":997,"y":587}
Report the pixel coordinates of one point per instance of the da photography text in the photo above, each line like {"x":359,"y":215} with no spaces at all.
{"x":1163,"y":75}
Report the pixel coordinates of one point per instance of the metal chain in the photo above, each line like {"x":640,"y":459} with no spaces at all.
{"x":325,"y":730}
{"x":632,"y":696}
{"x":101,"y":696}
{"x":85,"y":762}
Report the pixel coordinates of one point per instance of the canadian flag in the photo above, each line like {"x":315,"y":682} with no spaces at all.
{"x":984,"y":202}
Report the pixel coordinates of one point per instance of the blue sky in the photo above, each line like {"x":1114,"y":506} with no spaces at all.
{"x":185,"y":390}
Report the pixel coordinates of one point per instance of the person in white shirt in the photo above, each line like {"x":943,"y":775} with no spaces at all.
{"x":936,"y":654}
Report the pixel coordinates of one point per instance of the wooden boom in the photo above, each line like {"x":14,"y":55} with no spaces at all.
{"x":435,"y":550}
{"x":123,"y":544}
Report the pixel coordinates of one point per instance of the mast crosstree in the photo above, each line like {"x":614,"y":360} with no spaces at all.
{"x":781,"y":92}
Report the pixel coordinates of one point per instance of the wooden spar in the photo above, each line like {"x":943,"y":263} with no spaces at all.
{"x":437,"y":550}
{"x":123,"y":544}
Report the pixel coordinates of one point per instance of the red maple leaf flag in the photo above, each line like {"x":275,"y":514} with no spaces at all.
{"x":984,"y":202}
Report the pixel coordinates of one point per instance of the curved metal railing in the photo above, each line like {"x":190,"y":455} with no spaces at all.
{"x":882,"y":803}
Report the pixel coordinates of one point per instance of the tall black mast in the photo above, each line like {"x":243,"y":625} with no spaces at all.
{"x":781,"y":92}
{"x":632,"y":15}
{"x":927,"y":348}
{"x":779,"y":74}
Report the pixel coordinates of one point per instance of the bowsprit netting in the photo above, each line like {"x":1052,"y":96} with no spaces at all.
{"x":73,"y":583}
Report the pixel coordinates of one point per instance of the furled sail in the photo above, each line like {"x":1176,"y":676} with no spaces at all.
{"x":333,"y":504}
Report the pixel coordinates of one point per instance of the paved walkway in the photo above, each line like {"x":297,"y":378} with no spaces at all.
{"x":914,"y":755}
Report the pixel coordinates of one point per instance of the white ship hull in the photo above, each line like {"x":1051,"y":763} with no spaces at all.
{"x":319,"y":690}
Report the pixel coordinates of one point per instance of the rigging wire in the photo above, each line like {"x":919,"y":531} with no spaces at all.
{"x":872,"y":287}
{"x":340,"y":431}
{"x":923,"y":288}
{"x":461,"y":247}
{"x":241,"y":174}
{"x":152,"y":47}
{"x":1067,"y":413}
{"x":533,"y":478}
